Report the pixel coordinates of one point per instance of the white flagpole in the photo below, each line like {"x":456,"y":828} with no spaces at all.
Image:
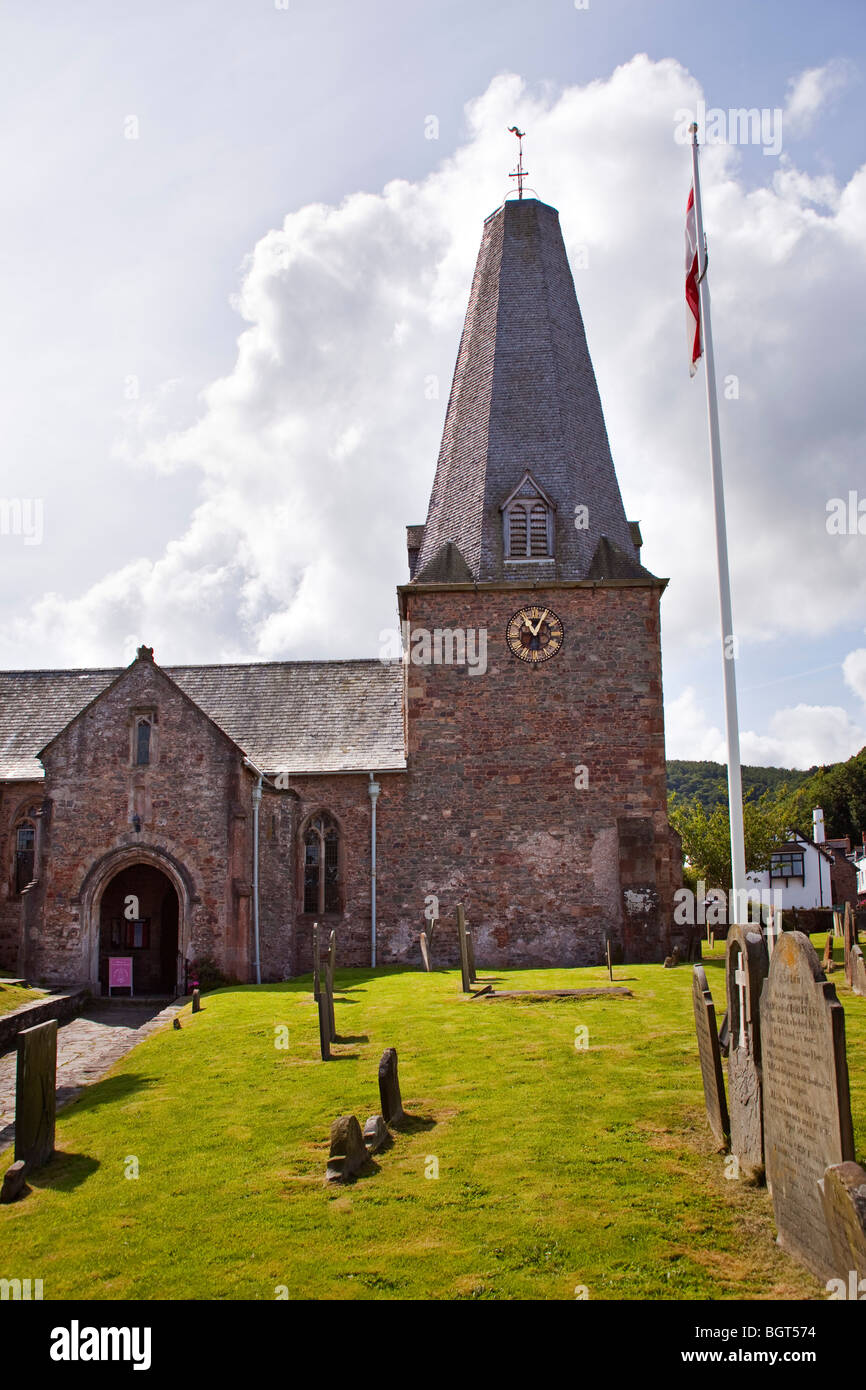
{"x":735,"y":781}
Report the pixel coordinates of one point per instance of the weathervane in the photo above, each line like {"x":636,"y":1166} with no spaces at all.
{"x":519,"y":173}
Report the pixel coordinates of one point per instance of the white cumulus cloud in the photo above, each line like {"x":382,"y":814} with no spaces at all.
{"x":811,"y":91}
{"x":318,"y":446}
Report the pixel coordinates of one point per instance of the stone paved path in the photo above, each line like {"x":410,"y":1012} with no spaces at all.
{"x":86,"y":1048}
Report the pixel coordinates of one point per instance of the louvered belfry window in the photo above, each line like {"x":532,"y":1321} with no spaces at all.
{"x":528,"y":529}
{"x":538,"y":530}
{"x":322,"y":865}
{"x":517,"y":530}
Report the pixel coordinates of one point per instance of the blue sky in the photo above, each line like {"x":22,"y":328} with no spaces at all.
{"x":125,"y":261}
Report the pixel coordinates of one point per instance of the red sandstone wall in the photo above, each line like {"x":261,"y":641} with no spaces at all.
{"x":15,"y":797}
{"x":195,"y":804}
{"x":489,"y":814}
{"x":346,"y":798}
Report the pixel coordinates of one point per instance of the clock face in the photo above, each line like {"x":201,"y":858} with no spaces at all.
{"x":534,"y":634}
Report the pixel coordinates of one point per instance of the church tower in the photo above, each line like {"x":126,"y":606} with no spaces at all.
{"x":535,"y":733}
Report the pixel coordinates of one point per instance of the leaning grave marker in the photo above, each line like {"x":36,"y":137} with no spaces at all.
{"x":807,"y":1110}
{"x":711,"y":1058}
{"x":425,"y":951}
{"x":745,"y":971}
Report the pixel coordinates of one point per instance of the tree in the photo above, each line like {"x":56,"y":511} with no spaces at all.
{"x":706,"y":836}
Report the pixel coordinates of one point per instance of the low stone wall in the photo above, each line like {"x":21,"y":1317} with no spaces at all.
{"x":808,"y":919}
{"x":63,"y":1007}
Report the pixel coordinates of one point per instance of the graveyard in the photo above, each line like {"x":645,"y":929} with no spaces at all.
{"x":552,"y":1147}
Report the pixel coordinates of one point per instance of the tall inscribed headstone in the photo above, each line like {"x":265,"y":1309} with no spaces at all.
{"x":746,"y":967}
{"x":807,"y":1110}
{"x":711,"y":1059}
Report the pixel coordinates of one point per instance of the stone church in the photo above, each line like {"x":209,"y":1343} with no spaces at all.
{"x":509,"y":756}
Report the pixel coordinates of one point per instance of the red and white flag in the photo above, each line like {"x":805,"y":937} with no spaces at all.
{"x":693,"y":298}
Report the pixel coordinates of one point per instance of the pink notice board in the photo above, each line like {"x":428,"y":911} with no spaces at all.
{"x":120,"y":973}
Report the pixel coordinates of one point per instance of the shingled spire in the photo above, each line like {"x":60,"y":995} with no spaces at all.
{"x":524,"y":422}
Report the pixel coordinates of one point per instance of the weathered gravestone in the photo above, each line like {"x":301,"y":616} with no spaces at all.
{"x":843,"y":1197}
{"x":858,"y":971}
{"x":827,"y":961}
{"x":464,"y":956}
{"x":348,"y":1152}
{"x":745,"y":971}
{"x":36,"y":1094}
{"x":316,"y":962}
{"x":711,"y":1058}
{"x":848,"y":933}
{"x":196,"y":1002}
{"x":470,"y":956}
{"x":327,"y":994}
{"x":324,"y":1026}
{"x":14,"y":1185}
{"x":807,"y":1111}
{"x":331,"y":961}
{"x":774,"y":929}
{"x":389,"y":1088}
{"x":375,"y":1134}
{"x":425,"y":952}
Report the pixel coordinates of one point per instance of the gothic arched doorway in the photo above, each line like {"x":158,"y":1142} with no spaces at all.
{"x":138,"y":917}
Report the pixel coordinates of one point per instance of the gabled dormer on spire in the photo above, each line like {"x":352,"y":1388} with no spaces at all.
{"x":528,"y":523}
{"x":525,"y":484}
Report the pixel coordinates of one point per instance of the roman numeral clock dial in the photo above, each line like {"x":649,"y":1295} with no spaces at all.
{"x":534,"y":634}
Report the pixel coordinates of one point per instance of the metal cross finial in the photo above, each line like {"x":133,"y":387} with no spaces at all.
{"x":519,"y":173}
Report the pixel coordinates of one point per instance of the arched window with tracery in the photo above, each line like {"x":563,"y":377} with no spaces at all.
{"x":24,"y":851}
{"x":322,"y":865}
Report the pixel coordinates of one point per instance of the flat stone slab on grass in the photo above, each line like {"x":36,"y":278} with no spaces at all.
{"x":618,"y":991}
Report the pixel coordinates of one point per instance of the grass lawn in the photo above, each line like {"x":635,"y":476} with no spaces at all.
{"x":13,"y":996}
{"x":557,"y":1167}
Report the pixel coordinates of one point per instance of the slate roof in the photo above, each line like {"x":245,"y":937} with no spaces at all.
{"x":524,"y":397}
{"x":36,"y":705}
{"x":297,"y":716}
